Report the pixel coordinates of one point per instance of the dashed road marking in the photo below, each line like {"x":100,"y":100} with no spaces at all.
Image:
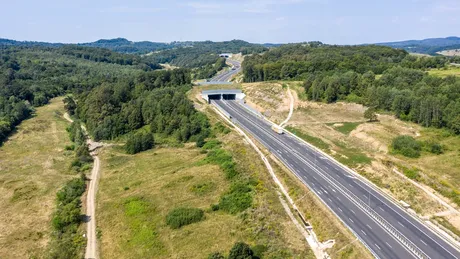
{"x":424,"y":242}
{"x":388,"y":244}
{"x":368,"y":226}
{"x":363,"y":232}
{"x":377,"y":246}
{"x":351,"y":220}
{"x":353,"y":211}
{"x":340,"y":209}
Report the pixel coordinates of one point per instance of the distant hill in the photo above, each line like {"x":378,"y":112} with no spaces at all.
{"x":123,"y":45}
{"x":427,"y":46}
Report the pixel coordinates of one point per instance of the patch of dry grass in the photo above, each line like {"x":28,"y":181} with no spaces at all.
{"x":136,"y":192}
{"x":443,"y":72}
{"x":33,"y":166}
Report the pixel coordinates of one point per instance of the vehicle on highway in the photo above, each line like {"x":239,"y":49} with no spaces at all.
{"x":277,"y":129}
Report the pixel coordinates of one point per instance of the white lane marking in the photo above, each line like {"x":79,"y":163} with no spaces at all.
{"x":338,"y":198}
{"x":313,"y":184}
{"x":400,"y":223}
{"x":404,"y":216}
{"x":353,"y":211}
{"x":329,"y":199}
{"x":363,"y":232}
{"x":377,"y":246}
{"x":351,"y":220}
{"x":388,"y":244}
{"x":368,"y":226}
{"x":350,"y":185}
{"x":340,"y":209}
{"x":381,"y":209}
{"x":424,"y":242}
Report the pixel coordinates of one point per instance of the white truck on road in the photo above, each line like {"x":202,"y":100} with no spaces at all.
{"x":277,"y":129}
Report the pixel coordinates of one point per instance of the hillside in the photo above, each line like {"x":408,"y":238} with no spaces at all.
{"x":123,"y":45}
{"x":427,"y":46}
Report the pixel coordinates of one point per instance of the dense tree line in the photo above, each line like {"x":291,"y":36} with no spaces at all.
{"x":297,"y":61}
{"x":107,"y":56}
{"x":155,"y":98}
{"x":31,"y":76}
{"x":333,"y":73}
{"x":200,"y":54}
{"x":67,"y":238}
{"x":409,"y":93}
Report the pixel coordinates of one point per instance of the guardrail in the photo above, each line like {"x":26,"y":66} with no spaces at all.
{"x":375,"y":216}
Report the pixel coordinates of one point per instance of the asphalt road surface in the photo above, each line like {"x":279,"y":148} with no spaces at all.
{"x":227,"y":75}
{"x":385,"y":228}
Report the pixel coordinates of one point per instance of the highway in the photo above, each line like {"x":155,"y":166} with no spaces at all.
{"x":385,"y":228}
{"x":227,"y":75}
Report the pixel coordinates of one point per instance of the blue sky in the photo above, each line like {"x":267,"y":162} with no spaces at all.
{"x":280,"y":21}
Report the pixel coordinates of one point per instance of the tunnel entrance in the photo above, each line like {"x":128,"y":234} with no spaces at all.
{"x":214,"y":97}
{"x":229,"y":96}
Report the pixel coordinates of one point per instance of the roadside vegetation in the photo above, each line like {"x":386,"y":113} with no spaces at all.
{"x":190,"y":201}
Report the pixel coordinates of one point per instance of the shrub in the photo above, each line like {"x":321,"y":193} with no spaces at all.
{"x":406,"y":146}
{"x":370,"y":115}
{"x":216,"y":255}
{"x":434,"y":147}
{"x":200,"y":141}
{"x":235,"y":202}
{"x":241,"y":250}
{"x":139,"y":142}
{"x":70,"y":147}
{"x":183,"y":216}
{"x":411,"y":173}
{"x":211,"y":144}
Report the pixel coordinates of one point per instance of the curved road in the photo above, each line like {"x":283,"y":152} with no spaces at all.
{"x":383,"y":226}
{"x":227,"y":75}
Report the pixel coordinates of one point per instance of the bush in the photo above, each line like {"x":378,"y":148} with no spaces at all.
{"x":139,"y":142}
{"x":216,"y":255}
{"x":70,"y":147}
{"x":235,"y":202}
{"x":411,"y":173}
{"x":370,"y":115}
{"x":434,"y":147}
{"x":241,"y":250}
{"x":211,"y":144}
{"x":200,"y":141}
{"x":183,"y":216}
{"x":406,"y":146}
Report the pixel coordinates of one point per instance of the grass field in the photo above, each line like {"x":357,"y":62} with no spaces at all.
{"x":33,"y":166}
{"x":449,"y":71}
{"x":137,"y":192}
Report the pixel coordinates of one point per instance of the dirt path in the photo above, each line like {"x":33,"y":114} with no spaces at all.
{"x":91,"y":245}
{"x":291,"y":108}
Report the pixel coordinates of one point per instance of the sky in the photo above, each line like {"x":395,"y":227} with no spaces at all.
{"x":258,"y":21}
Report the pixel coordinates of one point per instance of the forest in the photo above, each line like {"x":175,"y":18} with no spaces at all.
{"x":113,"y":94}
{"x":376,"y":76}
{"x":203,"y":53}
